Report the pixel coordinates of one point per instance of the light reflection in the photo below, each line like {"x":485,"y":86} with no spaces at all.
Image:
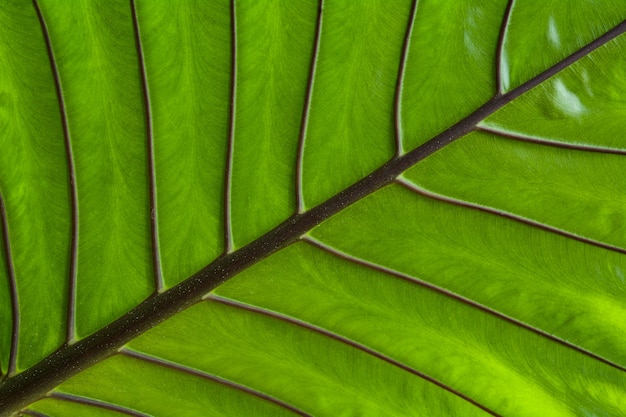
{"x":567,"y":101}
{"x":553,"y":33}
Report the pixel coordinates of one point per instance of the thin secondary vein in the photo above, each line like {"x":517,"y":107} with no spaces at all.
{"x":210,"y":377}
{"x":471,"y":122}
{"x":307,"y":108}
{"x":553,"y":143}
{"x":450,"y":294}
{"x":15,"y":309}
{"x":529,"y":222}
{"x":228,"y":226}
{"x":33,"y":383}
{"x":96,"y":403}
{"x":34,"y":413}
{"x":500,"y":48}
{"x":154,"y":218}
{"x":397,"y":107}
{"x":350,"y":342}
{"x":70,"y":334}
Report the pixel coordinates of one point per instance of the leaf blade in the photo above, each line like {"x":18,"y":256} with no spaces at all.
{"x":369,"y":193}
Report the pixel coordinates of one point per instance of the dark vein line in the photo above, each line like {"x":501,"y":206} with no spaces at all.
{"x":397,"y":105}
{"x":96,"y":403}
{"x":307,"y":108}
{"x":210,"y":377}
{"x":529,"y":222}
{"x":470,"y":123}
{"x":33,"y":413}
{"x":457,"y":297}
{"x":554,"y":144}
{"x":500,"y":47}
{"x":70,"y":335}
{"x":15,"y":308}
{"x":8,"y":286}
{"x":33,"y":383}
{"x":154,"y":217}
{"x":228,"y":226}
{"x":347,"y":341}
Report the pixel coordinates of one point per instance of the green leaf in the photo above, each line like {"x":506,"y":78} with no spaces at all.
{"x":314,"y":208}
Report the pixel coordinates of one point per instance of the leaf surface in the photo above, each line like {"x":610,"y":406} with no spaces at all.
{"x":420,"y":207}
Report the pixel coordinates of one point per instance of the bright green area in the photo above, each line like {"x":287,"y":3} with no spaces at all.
{"x":577,"y":191}
{"x":451,"y":65}
{"x":274,"y":48}
{"x":34,"y":185}
{"x":188,"y":66}
{"x":315,"y":373}
{"x":160,"y":391}
{"x":59,"y":408}
{"x":539,"y":37}
{"x":94,"y":45}
{"x":582,"y":105}
{"x":564,"y":287}
{"x":350,"y":131}
{"x":465,"y":348}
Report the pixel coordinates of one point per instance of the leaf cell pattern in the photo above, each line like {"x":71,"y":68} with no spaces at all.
{"x":419,"y":204}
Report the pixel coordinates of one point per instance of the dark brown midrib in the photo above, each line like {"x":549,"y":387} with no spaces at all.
{"x":19,"y":391}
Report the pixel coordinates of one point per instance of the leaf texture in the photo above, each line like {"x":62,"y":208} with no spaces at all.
{"x":420,"y":206}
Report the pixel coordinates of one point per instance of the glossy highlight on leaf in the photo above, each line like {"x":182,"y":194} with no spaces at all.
{"x":312,"y":208}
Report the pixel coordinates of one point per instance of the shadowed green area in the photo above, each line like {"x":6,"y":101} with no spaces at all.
{"x":33,"y":183}
{"x":142,"y":386}
{"x":5,"y":314}
{"x":59,"y":408}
